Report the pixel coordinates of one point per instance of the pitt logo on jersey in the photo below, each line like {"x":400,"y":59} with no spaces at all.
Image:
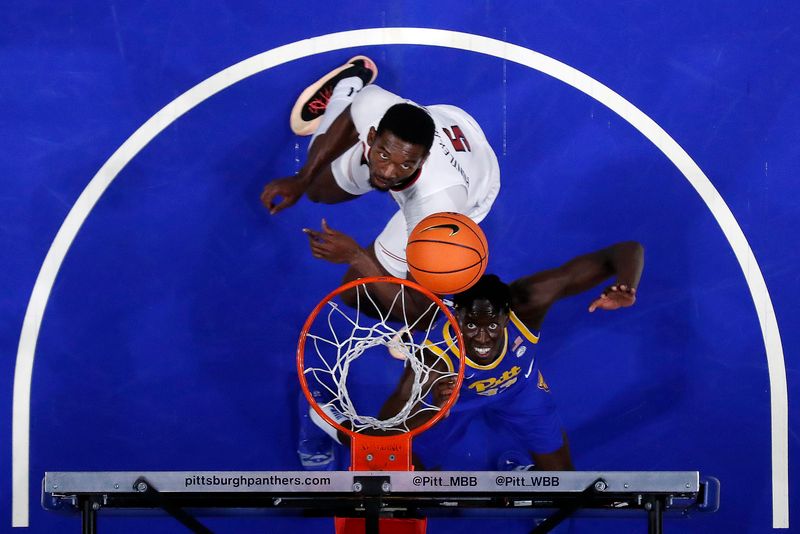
{"x":491,"y":386}
{"x":506,"y":373}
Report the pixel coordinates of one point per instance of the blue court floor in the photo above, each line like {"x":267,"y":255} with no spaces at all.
{"x":150,"y":306}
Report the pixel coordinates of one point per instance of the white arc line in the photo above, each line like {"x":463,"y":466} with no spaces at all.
{"x":396,"y":36}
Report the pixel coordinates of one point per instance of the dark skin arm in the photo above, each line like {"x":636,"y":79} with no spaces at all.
{"x":315,"y":178}
{"x":532,"y":296}
{"x":338,"y":247}
{"x":442,"y":389}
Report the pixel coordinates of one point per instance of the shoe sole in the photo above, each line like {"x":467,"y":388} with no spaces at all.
{"x":303,"y":127}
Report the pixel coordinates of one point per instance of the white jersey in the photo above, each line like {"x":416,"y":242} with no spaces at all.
{"x":461,"y":173}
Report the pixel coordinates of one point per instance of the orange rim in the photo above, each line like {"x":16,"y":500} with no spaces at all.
{"x":356,"y":436}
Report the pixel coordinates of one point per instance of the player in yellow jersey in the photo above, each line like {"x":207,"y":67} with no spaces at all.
{"x":500,"y":324}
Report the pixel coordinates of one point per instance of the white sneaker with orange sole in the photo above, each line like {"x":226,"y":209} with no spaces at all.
{"x":311,"y":104}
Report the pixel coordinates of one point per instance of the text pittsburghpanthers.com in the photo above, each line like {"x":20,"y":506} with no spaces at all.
{"x":237,"y":481}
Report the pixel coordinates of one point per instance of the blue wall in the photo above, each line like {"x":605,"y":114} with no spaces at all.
{"x":168,"y":337}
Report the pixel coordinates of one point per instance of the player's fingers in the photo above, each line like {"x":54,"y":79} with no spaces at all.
{"x":317,"y":252}
{"x":317,"y":244}
{"x":275,"y":207}
{"x":282,"y":205}
{"x":266,"y":197}
{"x":312,"y":235}
{"x":319,"y":237}
{"x":314,"y":251}
{"x":327,"y":229}
{"x":598,"y":302}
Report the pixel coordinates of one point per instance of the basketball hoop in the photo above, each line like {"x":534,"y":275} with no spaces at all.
{"x":335,"y":336}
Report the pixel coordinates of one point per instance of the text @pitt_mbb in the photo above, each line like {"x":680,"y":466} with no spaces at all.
{"x":505,"y":481}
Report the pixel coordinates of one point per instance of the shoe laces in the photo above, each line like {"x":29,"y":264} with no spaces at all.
{"x":320,"y":101}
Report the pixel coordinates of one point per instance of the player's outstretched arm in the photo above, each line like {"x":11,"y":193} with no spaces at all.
{"x":532,"y":296}
{"x":315,"y":177}
{"x":440,"y":385}
{"x":338,"y":247}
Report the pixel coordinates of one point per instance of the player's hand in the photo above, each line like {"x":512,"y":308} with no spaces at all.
{"x":288,"y":189}
{"x":616,"y":296}
{"x":442,"y":391}
{"x":332,"y":245}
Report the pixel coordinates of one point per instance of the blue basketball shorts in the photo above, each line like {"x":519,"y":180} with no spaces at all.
{"x":529,"y":414}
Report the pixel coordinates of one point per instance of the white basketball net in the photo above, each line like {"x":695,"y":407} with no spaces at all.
{"x":337,"y":349}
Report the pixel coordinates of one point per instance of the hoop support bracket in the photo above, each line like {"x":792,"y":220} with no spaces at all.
{"x":379,"y":453}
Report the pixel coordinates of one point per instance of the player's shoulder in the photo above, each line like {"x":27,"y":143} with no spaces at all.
{"x":373,"y":99}
{"x":370,"y":105}
{"x":518,"y":324}
{"x":448,"y":114}
{"x":375,"y":91}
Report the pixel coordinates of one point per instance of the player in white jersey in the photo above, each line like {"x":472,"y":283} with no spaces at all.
{"x":428,"y":159}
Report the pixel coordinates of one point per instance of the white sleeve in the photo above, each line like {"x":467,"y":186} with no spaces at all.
{"x":453,"y":198}
{"x":369,"y":106}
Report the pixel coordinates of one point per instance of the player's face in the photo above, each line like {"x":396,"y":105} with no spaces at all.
{"x":483,"y":328}
{"x":392,"y":160}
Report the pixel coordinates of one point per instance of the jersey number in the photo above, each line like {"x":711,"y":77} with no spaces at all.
{"x":456,"y":136}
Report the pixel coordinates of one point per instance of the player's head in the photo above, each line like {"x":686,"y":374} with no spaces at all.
{"x":399,"y":146}
{"x":482,"y":313}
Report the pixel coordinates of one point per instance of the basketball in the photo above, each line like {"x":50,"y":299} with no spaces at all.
{"x":447,"y":253}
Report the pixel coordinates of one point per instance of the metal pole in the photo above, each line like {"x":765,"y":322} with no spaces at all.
{"x":88,"y":516}
{"x":655,"y":516}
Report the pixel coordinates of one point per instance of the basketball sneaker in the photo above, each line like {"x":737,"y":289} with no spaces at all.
{"x":314,"y":446}
{"x":311,"y":104}
{"x":514,"y":461}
